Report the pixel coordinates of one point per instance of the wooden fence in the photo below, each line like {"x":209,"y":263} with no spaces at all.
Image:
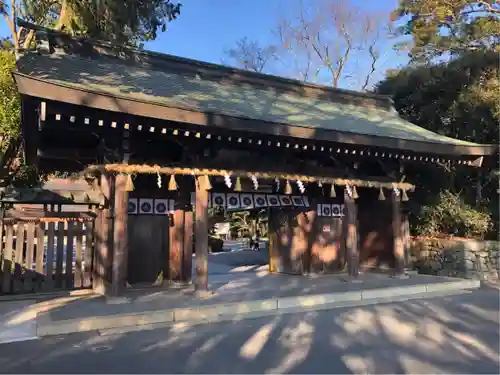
{"x":38,"y":256}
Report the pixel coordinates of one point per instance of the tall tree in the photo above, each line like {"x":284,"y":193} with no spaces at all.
{"x":122,"y":22}
{"x":118,"y":21}
{"x":12,"y":170}
{"x":448,"y":27}
{"x":250,"y":55}
{"x":460,"y":99}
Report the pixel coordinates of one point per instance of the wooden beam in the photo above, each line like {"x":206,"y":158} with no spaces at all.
{"x":120,"y":235}
{"x":201,"y":233}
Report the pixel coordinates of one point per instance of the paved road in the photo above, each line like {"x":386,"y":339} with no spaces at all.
{"x":458,"y":334}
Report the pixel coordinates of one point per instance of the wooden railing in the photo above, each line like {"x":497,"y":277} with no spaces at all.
{"x":45,"y":255}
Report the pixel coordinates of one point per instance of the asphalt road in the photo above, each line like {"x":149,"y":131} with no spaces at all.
{"x":454,"y":334}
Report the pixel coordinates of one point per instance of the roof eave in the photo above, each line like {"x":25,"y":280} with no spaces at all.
{"x":46,"y":90}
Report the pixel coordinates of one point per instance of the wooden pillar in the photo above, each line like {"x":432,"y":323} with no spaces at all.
{"x":120,"y":236}
{"x":306,"y":237}
{"x":351,"y":235}
{"x":201,"y":236}
{"x":405,"y":225}
{"x":176,"y":239}
{"x":103,"y":248}
{"x":187,"y":253}
{"x":272,"y":245}
{"x":398,"y":243}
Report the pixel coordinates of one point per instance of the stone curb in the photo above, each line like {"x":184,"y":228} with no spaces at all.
{"x":255,"y":315}
{"x":247,"y":310}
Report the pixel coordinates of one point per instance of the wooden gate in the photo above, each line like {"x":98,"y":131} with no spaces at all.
{"x":148,"y":248}
{"x":42,"y":255}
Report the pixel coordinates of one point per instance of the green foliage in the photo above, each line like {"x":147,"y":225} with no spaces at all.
{"x":215,"y":245}
{"x":118,"y":21}
{"x":10,"y":106}
{"x":12,"y":168}
{"x":458,"y":99}
{"x":449,"y":215}
{"x":451,"y":27}
{"x":247,"y":223}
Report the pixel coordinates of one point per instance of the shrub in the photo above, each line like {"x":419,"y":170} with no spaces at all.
{"x":215,"y":245}
{"x":450,"y":215}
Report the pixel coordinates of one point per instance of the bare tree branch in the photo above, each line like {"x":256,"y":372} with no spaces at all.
{"x":289,"y":53}
{"x":250,"y":55}
{"x":374,"y":58}
{"x":333,"y":37}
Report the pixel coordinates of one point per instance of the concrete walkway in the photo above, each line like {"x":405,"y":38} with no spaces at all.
{"x":236,"y":259}
{"x":454,"y":334}
{"x":10,"y":330}
{"x":233,"y":297}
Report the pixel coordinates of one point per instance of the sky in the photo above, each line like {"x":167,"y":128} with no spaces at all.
{"x":206,"y":28}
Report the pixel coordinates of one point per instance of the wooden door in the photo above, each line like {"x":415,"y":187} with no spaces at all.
{"x":287,"y":245}
{"x":375,"y":235}
{"x":328,"y":247}
{"x":148,"y":248}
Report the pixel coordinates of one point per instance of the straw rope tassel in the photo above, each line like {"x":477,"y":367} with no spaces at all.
{"x":206,"y":182}
{"x":237,"y":184}
{"x":404,"y":196}
{"x":129,"y":185}
{"x":333,"y":193}
{"x":354,"y":192}
{"x":172,"y":184}
{"x":381,"y":195}
{"x":288,"y":188}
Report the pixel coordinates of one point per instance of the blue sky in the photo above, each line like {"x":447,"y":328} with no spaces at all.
{"x":207,"y":27}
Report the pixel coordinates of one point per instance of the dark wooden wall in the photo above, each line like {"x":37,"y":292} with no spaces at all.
{"x":328,"y":252}
{"x":376,"y":245}
{"x":301,"y":242}
{"x":288,"y":242}
{"x":148,"y":248}
{"x":160,"y":244}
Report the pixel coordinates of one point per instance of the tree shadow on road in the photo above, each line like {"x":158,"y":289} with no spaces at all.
{"x":453,"y":334}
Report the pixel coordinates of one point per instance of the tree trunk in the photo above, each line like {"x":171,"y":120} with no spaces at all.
{"x":479,"y":189}
{"x":66,"y":16}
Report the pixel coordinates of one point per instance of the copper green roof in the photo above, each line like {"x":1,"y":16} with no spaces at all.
{"x":178,"y":83}
{"x":175,"y":89}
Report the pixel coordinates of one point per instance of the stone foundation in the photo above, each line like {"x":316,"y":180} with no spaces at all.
{"x":455,"y":257}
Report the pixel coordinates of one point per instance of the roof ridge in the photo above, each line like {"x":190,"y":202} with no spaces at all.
{"x":134,"y":54}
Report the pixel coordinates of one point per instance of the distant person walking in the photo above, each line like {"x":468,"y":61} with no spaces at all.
{"x":255,"y":240}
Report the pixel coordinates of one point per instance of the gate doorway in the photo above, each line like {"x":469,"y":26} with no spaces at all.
{"x":233,"y":233}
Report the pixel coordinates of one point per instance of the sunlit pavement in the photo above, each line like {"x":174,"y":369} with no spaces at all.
{"x":454,"y":334}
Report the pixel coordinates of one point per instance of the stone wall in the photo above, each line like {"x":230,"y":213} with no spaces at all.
{"x":455,"y":257}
